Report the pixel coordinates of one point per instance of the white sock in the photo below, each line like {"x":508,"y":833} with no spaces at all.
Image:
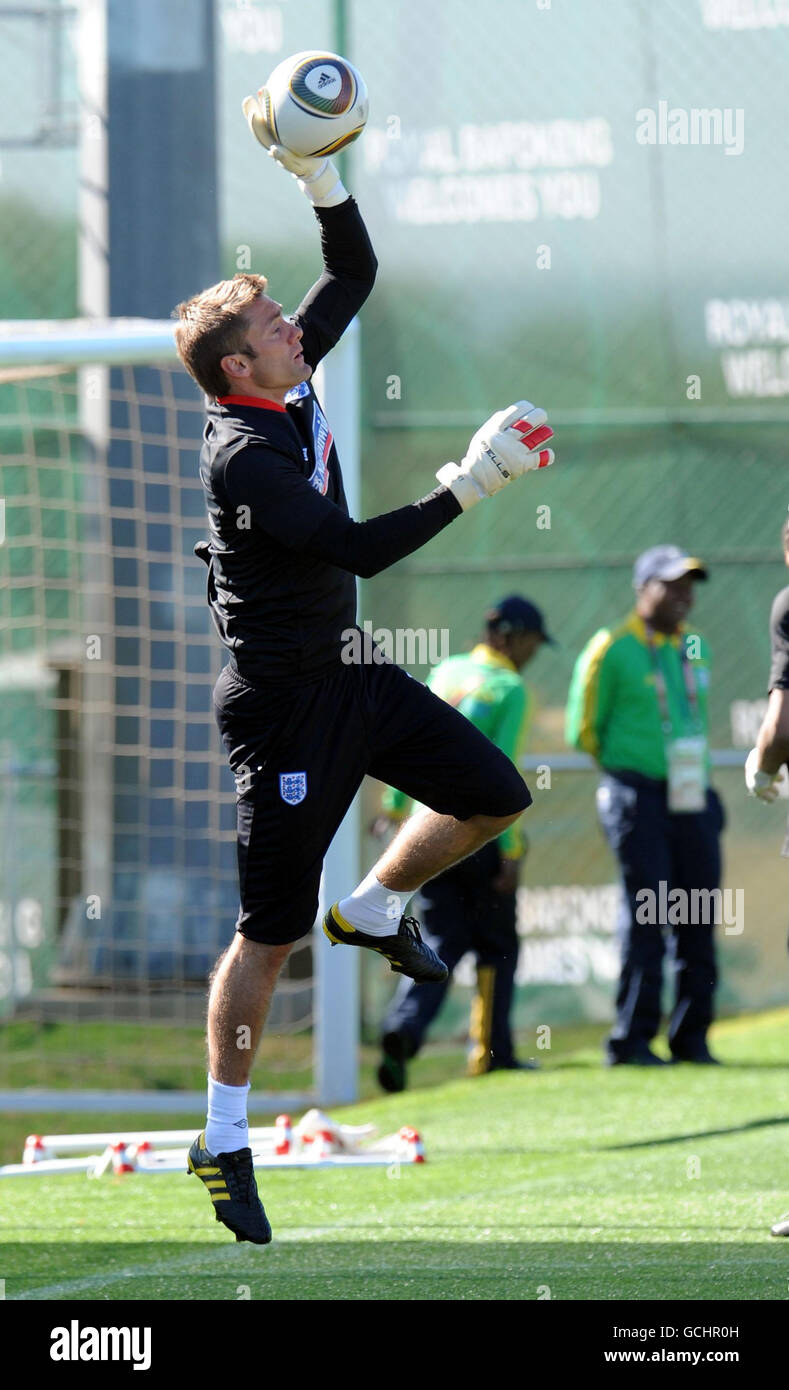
{"x":226,"y":1126}
{"x":373,"y":908}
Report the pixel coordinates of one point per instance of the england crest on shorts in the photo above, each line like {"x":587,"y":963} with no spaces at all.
{"x":293,"y":787}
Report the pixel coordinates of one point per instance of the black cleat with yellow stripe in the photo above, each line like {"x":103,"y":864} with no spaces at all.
{"x":230,"y":1180}
{"x":406,"y":952}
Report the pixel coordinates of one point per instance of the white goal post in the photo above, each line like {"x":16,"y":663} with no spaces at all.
{"x":31,"y":353}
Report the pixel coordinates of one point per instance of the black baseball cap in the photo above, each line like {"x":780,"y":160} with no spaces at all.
{"x":666,"y":562}
{"x":517,"y":614}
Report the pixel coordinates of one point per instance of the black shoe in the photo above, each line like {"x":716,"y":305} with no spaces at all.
{"x":230,"y":1180}
{"x":514,"y":1065}
{"x":392,"y":1071}
{"x":701,"y":1057}
{"x":406,"y":952}
{"x":643,"y":1057}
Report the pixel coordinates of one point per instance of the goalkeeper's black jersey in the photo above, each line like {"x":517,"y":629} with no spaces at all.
{"x":284,"y":551}
{"x":278,"y":609}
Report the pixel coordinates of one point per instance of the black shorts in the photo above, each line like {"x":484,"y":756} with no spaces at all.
{"x":299,"y":753}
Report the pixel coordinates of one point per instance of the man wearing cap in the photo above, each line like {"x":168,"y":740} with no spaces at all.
{"x":638,"y":704}
{"x":472,"y":906}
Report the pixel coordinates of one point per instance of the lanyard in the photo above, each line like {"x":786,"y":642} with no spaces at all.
{"x":689,"y":681}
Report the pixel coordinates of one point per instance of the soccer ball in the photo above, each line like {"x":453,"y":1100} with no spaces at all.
{"x":315,"y":103}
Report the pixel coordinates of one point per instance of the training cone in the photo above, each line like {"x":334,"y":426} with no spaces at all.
{"x":413,"y":1148}
{"x":121,"y":1159}
{"x":283,"y":1140}
{"x":323,"y":1146}
{"x":35,"y":1149}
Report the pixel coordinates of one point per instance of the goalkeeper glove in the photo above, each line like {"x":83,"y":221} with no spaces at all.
{"x":317,"y":177}
{"x":508,"y":445}
{"x":761,"y":784}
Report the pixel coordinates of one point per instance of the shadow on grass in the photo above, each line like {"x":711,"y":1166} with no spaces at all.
{"x":688,"y":1068}
{"x":746,"y":1066}
{"x":380,"y":1268}
{"x":768,"y":1123}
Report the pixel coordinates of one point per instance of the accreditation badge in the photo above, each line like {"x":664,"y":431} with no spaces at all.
{"x":686,"y":759}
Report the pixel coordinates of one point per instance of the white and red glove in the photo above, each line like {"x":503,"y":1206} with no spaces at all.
{"x":509,"y":444}
{"x":761,"y":784}
{"x":317,"y":176}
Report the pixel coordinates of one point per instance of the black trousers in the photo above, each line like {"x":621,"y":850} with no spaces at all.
{"x":460,"y":911}
{"x":300,"y":751}
{"x":678,"y":851}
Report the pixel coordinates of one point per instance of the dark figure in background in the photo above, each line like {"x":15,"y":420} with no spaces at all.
{"x":472,"y":907}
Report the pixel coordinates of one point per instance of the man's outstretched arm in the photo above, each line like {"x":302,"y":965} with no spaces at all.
{"x":368,"y":547}
{"x":349,"y":262}
{"x":773,"y":741}
{"x":764,"y":762}
{"x":349,"y":267}
{"x":282,"y":503}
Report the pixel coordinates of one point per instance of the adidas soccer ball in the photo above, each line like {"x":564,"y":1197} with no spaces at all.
{"x":315,"y":103}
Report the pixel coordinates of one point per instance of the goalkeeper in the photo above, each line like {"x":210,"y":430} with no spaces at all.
{"x":472,"y":907}
{"x":301,"y":726}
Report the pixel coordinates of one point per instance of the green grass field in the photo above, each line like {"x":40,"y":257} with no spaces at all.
{"x":592,"y":1183}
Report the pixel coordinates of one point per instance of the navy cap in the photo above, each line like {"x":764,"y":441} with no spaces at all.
{"x":665,"y":562}
{"x":517,"y":614}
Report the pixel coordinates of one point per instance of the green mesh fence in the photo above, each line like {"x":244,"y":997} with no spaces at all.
{"x":38,"y":160}
{"x":584,"y":204}
{"x":569,"y":203}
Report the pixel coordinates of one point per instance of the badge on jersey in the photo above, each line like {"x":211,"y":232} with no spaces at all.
{"x":293,"y":787}
{"x":322,"y":441}
{"x":322,"y":438}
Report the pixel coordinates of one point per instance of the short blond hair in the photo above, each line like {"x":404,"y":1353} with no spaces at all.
{"x":214,"y":323}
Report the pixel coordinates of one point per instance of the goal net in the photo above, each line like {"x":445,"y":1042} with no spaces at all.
{"x":118,"y":861}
